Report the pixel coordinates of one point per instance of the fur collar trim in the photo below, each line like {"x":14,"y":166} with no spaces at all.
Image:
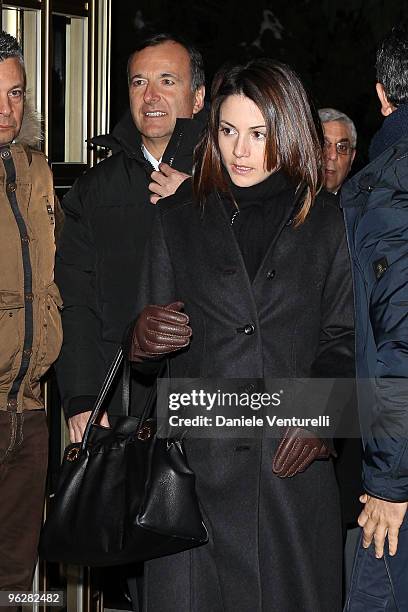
{"x":30,"y":134}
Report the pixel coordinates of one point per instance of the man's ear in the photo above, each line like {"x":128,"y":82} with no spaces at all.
{"x":199,"y":99}
{"x":386,"y":107}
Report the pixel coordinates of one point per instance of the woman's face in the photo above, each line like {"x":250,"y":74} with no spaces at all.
{"x":242,"y":139}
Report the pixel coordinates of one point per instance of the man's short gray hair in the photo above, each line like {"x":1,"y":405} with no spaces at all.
{"x":332,"y":114}
{"x":9,"y":48}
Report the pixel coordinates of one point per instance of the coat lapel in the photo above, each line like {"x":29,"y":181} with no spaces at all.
{"x":223,"y":247}
{"x":287,"y":220}
{"x":224,"y":253}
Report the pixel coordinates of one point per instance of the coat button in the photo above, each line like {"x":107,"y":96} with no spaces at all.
{"x":248,"y":329}
{"x":12,"y":404}
{"x":270,"y":274}
{"x":5,"y":154}
{"x":11,"y":187}
{"x":29,"y":297}
{"x":247,"y":388}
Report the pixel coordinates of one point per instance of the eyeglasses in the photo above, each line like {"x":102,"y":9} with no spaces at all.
{"x":342,"y":148}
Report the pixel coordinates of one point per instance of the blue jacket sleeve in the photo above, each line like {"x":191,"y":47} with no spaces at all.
{"x":383,"y":254}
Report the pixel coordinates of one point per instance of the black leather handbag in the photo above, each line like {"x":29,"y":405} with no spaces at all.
{"x":123,"y":494}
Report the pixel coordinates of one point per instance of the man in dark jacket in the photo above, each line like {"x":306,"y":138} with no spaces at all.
{"x":109,"y":214}
{"x":375,"y":206}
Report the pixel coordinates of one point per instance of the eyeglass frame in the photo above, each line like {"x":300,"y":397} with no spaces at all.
{"x":327,"y":144}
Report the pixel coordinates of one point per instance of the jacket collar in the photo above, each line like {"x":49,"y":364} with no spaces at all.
{"x":393,"y":128}
{"x":126,"y":137}
{"x":375,"y":174}
{"x":30,"y":134}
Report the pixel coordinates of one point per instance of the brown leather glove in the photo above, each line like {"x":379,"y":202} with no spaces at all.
{"x":296,"y":451}
{"x":159,"y":330}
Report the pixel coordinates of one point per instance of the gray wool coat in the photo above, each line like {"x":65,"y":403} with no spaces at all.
{"x":275,"y":544}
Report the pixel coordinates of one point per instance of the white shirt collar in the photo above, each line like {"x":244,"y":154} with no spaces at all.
{"x":155,"y":163}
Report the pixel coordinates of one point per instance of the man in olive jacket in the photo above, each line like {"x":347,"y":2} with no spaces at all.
{"x":109,"y":216}
{"x":30,"y":327}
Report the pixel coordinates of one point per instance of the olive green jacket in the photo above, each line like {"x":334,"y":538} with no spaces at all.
{"x":30,"y":326}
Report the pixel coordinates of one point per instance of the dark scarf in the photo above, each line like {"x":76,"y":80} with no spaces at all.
{"x":262,"y":209}
{"x":394,"y":127}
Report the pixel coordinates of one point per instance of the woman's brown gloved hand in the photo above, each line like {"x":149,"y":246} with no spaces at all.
{"x":296,"y":451}
{"x":159,"y":330}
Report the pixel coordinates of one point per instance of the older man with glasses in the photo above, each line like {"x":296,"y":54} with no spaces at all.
{"x":340,"y":140}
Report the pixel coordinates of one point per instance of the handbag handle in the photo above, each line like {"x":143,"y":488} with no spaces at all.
{"x":106,"y":385}
{"x":152,"y":397}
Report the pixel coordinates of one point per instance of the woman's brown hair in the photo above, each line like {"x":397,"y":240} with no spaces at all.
{"x":292,"y":141}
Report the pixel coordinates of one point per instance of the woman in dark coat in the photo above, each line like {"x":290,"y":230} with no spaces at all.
{"x":249,"y":278}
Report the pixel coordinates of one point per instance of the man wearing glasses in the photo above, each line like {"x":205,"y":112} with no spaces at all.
{"x":340,"y":140}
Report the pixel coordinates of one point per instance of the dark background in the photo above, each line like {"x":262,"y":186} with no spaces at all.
{"x":330,"y":43}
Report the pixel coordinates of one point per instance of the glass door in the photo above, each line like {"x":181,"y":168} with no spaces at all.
{"x":66,"y":46}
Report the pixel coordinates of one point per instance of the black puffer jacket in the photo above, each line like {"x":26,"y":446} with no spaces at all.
{"x":108,"y":221}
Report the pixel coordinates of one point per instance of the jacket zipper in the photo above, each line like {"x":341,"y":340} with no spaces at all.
{"x":11,"y":186}
{"x":176,"y":148}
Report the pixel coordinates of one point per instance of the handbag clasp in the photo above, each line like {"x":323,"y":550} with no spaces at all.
{"x":73,"y":454}
{"x":145,"y":432}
